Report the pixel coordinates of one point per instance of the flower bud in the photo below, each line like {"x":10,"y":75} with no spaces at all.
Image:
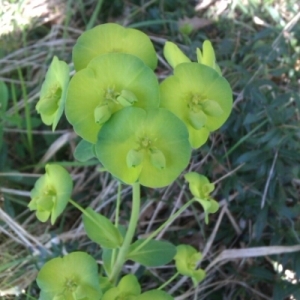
{"x":134,"y":158}
{"x":127,"y":98}
{"x":197,"y":119}
{"x":212,"y":108}
{"x":102,"y":114}
{"x":157,"y":158}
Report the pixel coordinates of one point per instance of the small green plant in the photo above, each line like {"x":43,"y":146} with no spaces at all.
{"x":143,"y":133}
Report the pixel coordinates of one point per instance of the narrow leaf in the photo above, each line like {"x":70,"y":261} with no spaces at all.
{"x":3,"y":97}
{"x":106,"y":258}
{"x":84,"y":151}
{"x":101,"y":230}
{"x":153,"y":254}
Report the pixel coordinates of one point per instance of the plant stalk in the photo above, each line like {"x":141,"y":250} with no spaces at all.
{"x":135,"y":211}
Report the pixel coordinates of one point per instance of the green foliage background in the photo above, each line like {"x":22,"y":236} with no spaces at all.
{"x":253,"y":159}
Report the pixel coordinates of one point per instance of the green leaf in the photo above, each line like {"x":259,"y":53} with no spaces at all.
{"x":84,"y":151}
{"x":153,"y":254}
{"x":1,"y":136}
{"x":155,"y":294}
{"x":104,"y":283}
{"x":3,"y":97}
{"x":101,"y":230}
{"x":106,"y":257}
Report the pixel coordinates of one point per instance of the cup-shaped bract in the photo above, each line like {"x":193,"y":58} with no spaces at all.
{"x":72,"y":277}
{"x":128,"y":288}
{"x":107,"y":38}
{"x":150,"y":146}
{"x":200,"y":97}
{"x":199,"y":185}
{"x":53,"y":93}
{"x":186,"y":260}
{"x":201,"y":188}
{"x":109,"y":83}
{"x":51,"y":193}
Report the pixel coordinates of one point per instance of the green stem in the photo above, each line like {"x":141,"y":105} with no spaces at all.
{"x":83,"y":211}
{"x":121,"y":258}
{"x":118,"y":204}
{"x":78,"y":207}
{"x":168,"y":281}
{"x":160,"y":228}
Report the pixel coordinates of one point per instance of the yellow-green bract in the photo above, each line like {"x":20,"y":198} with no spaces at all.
{"x":107,"y":38}
{"x":186,"y":260}
{"x":128,"y":288}
{"x":207,"y":56}
{"x":200,"y":97}
{"x":201,"y":188}
{"x":175,"y":56}
{"x":72,"y":277}
{"x":109,"y":83}
{"x":150,"y":146}
{"x":53,"y":93}
{"x":51,"y":193}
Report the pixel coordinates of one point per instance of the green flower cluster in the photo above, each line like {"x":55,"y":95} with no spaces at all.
{"x":201,"y":188}
{"x":72,"y":277}
{"x":140,"y":130}
{"x":196,"y":93}
{"x":51,"y":193}
{"x":186,"y":260}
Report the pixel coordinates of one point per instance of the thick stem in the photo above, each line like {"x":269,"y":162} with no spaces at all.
{"x":135,"y":211}
{"x":114,"y":251}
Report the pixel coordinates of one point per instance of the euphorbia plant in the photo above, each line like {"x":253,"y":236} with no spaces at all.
{"x":143,"y":134}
